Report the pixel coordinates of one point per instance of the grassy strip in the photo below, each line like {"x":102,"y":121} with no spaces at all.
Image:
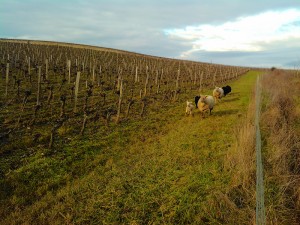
{"x":164,"y":169}
{"x":280,"y":125}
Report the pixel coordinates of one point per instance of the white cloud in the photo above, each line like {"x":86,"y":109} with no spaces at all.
{"x":251,"y":33}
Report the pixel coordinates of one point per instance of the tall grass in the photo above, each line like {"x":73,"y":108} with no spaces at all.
{"x":281,"y":138}
{"x":241,"y":162}
{"x":280,"y":128}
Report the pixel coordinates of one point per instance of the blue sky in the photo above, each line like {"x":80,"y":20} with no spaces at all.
{"x":257,"y":33}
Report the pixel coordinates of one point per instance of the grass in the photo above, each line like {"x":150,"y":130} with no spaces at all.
{"x":163,"y":169}
{"x":280,"y":125}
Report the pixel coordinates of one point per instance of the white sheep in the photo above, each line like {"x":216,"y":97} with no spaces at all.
{"x":205,"y":103}
{"x":189,"y":108}
{"x":218,"y":93}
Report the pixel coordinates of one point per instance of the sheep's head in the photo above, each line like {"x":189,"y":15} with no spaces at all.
{"x":202,"y":99}
{"x":188,"y":103}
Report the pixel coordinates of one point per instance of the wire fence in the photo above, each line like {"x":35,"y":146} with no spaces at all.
{"x":260,"y":198}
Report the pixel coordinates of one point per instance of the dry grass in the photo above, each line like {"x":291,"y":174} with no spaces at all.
{"x":242,"y":155}
{"x":281,"y":144}
{"x":241,"y":160}
{"x":281,"y":155}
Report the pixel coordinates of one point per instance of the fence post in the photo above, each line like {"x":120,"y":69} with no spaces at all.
{"x":260,"y":201}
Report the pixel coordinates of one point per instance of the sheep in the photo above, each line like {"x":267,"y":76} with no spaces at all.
{"x":218,"y":93}
{"x":227,"y":90}
{"x":189,"y":108}
{"x":205,"y":103}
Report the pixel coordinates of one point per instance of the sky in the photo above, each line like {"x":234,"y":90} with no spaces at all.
{"x":256,"y":33}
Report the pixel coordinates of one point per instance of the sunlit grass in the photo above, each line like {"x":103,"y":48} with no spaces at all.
{"x":165,"y":168}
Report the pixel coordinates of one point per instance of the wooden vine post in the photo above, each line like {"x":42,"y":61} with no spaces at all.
{"x":29,"y":66}
{"x":177,"y":84}
{"x":120,"y":100}
{"x":47,"y":67}
{"x":118,"y":82}
{"x":69,"y":70}
{"x":200,"y":84}
{"x":7,"y":80}
{"x":159,"y":81}
{"x":214,"y":80}
{"x":93,"y":74}
{"x":195,"y":78}
{"x":232,"y":74}
{"x":99,"y":75}
{"x":146,"y":82}
{"x":136,"y":75}
{"x":76,"y":91}
{"x":85,"y":110}
{"x":39,"y":87}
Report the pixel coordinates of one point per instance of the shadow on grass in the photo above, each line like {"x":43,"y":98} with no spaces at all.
{"x":225,"y":112}
{"x":216,"y":113}
{"x":230,"y":100}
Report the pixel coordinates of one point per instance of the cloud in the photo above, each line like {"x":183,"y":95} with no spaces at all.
{"x":140,"y":26}
{"x":250,"y":33}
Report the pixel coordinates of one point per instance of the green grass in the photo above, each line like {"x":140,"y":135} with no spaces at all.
{"x":166,"y":168}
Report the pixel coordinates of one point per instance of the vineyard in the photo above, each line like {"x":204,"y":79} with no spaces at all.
{"x":92,"y":135}
{"x":47,"y":85}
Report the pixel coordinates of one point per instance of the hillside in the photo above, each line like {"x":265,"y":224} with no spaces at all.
{"x":101,"y":137}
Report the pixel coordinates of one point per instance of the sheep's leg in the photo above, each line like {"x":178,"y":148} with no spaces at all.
{"x":203,"y":113}
{"x":187,"y":112}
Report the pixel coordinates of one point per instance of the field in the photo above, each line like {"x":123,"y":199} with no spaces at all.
{"x":100,"y":136}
